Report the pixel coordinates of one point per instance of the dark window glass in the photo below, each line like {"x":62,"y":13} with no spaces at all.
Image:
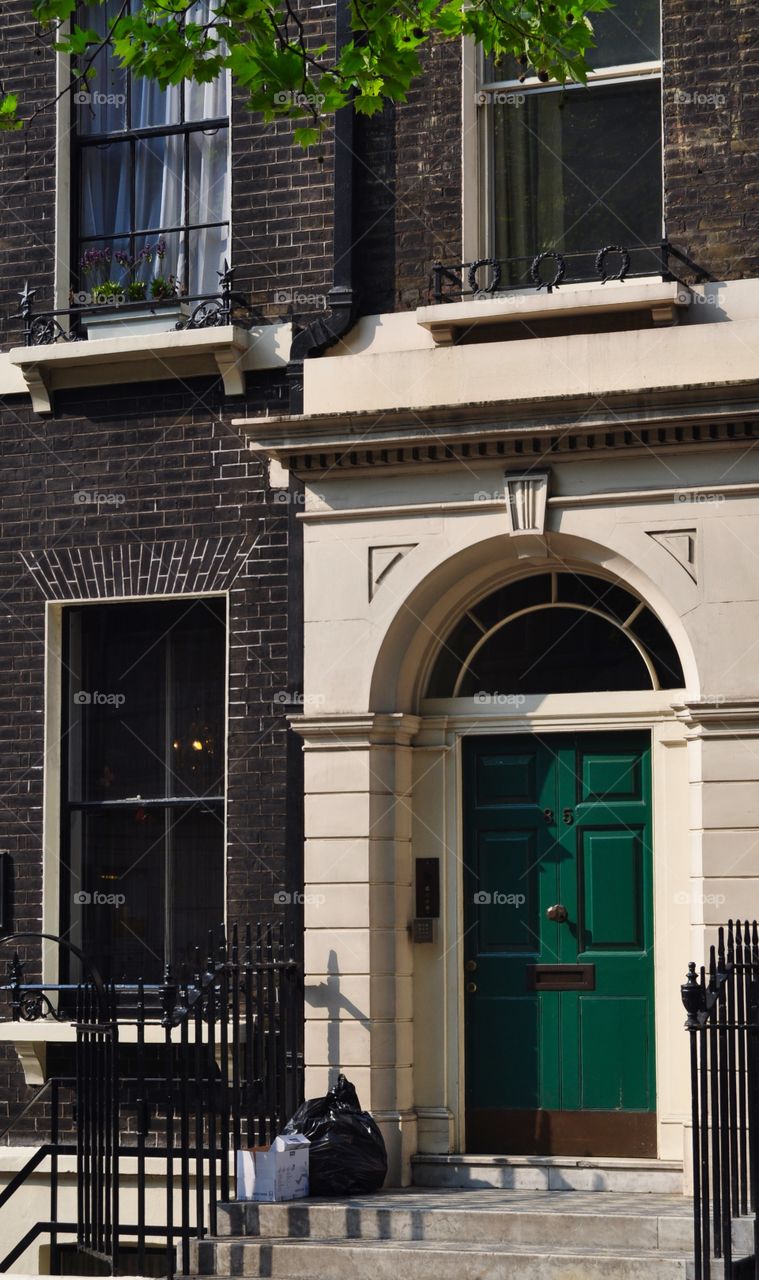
{"x":629,"y":32}
{"x":143,"y":797}
{"x":546,"y":647}
{"x":576,"y":171}
{"x":556,"y":651}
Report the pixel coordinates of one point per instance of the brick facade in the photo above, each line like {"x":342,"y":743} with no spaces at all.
{"x":710,"y":125}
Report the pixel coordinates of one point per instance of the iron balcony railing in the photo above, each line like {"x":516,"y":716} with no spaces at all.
{"x":549,"y":269}
{"x":69,"y":324}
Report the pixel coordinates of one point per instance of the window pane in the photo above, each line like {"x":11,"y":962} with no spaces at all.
{"x":145,"y":704}
{"x":101,"y":104}
{"x":629,"y":32}
{"x":117,"y":720}
{"x":117,"y":891}
{"x":104,"y":190}
{"x":209,"y":202}
{"x":209,"y":171}
{"x":547,"y":652}
{"x":197,"y":876}
{"x":197,"y":684}
{"x":506,"y":661}
{"x":207,"y":101}
{"x":574,"y":172}
{"x":159,"y":182}
{"x":158,"y":255}
{"x":151,"y":105}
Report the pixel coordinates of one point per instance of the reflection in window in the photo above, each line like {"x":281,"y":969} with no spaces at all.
{"x":556,"y":633}
{"x":143,"y":793}
{"x":577,"y":169}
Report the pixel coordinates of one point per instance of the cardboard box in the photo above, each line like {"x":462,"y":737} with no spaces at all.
{"x":278,"y":1172}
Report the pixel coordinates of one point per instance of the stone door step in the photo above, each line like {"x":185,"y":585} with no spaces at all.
{"x":548,"y":1173}
{"x":428,"y":1260}
{"x":443,"y":1234}
{"x":499,"y":1217}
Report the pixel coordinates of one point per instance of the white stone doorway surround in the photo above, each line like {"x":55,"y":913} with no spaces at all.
{"x":383,"y":787}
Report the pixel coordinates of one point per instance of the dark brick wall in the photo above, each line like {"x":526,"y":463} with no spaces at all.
{"x":711,"y":117}
{"x":282,"y":205}
{"x":428,"y":213}
{"x":408,"y":189}
{"x":27,"y":167}
{"x":185,"y":474}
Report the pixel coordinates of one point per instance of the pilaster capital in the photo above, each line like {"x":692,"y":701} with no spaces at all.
{"x":720,"y":717}
{"x":352,"y":730}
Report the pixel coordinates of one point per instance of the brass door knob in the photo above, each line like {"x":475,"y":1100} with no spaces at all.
{"x":558,"y":913}
{"x":471,"y":987}
{"x":471,"y":966}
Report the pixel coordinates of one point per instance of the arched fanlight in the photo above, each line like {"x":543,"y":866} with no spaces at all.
{"x":556,"y":632}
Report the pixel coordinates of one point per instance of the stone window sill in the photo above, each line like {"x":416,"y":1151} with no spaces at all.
{"x":227,"y":351}
{"x":30,"y":1040}
{"x":664,"y":300}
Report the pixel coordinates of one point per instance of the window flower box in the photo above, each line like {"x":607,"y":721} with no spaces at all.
{"x":133,"y":321}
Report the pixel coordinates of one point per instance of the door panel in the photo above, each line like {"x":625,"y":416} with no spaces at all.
{"x":563,"y":818}
{"x":613,"y":1050}
{"x":610,"y":880}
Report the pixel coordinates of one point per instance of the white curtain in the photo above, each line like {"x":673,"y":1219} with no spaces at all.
{"x":159,"y":170}
{"x":210,"y":176}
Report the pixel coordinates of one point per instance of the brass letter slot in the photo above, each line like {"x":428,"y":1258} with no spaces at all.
{"x":561,"y":977}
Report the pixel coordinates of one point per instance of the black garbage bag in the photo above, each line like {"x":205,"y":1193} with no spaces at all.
{"x":347,"y":1154}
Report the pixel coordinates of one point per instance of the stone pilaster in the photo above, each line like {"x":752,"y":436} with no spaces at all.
{"x":358,"y":905}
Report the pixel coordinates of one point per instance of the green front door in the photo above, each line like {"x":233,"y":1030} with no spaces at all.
{"x":559,"y":945}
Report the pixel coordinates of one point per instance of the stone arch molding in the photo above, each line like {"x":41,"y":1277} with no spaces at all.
{"x":412,"y":638}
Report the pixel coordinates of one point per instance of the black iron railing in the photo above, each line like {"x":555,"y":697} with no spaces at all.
{"x":69,"y":324}
{"x":549,"y":269}
{"x":722,"y":1001}
{"x":46,"y":1101}
{"x":185,"y":1074}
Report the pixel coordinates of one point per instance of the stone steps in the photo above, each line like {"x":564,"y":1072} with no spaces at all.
{"x":444,"y":1235}
{"x":553,"y":1173}
{"x":434,"y":1260}
{"x":554,"y":1218}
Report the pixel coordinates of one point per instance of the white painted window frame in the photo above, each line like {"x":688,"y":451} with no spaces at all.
{"x":65,"y":177}
{"x":477,"y":208}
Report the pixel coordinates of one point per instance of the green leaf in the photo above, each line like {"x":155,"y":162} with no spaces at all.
{"x":260,"y":42}
{"x":306,"y":137}
{"x":9,"y":113}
